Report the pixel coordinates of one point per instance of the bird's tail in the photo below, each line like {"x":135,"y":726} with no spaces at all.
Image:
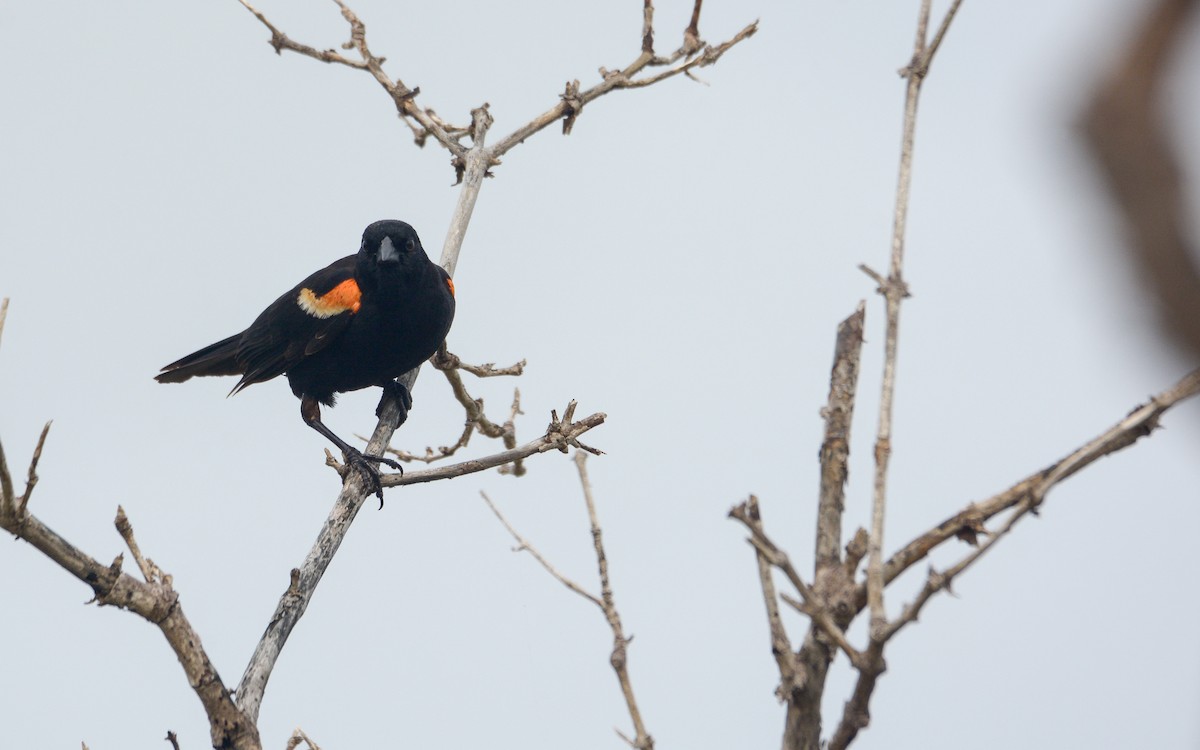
{"x":215,"y":359}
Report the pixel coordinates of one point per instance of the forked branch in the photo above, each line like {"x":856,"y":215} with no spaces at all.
{"x":605,"y":601}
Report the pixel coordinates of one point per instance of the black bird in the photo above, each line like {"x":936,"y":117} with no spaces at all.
{"x":361,"y":321}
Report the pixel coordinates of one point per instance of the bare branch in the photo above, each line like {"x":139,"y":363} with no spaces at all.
{"x":523,"y":545}
{"x":936,"y":582}
{"x":31,"y":477}
{"x":150,"y":571}
{"x":642,"y":739}
{"x":856,"y":714}
{"x":401,"y":95}
{"x":1140,"y":422}
{"x":605,"y":602}
{"x":781,"y":646}
{"x":560,"y":435}
{"x":573,"y":101}
{"x":894,"y":289}
{"x":811,"y":606}
{"x":835,"y":449}
{"x":172,"y":738}
{"x":157,"y":603}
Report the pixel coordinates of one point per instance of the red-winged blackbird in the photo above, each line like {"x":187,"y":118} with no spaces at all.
{"x":361,"y":321}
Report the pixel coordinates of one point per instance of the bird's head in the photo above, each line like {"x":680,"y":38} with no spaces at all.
{"x":389,"y":247}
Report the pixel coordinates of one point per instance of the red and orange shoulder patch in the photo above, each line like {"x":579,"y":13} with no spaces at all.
{"x":450,"y":283}
{"x":344,"y":297}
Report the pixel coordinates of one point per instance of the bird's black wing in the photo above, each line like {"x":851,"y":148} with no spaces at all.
{"x":300,"y":323}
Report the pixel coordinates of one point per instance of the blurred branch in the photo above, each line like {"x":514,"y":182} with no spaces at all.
{"x":1124,"y":125}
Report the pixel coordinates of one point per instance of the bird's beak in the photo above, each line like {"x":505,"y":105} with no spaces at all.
{"x":388,"y":251}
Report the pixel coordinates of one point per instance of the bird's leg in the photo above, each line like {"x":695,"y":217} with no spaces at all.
{"x":310,"y":410}
{"x":398,"y":391}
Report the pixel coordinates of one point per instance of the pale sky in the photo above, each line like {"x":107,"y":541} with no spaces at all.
{"x":679,"y":262}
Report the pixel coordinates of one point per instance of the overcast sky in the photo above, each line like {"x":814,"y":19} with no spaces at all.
{"x":679,"y":262}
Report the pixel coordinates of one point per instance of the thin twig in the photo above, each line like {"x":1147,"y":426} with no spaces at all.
{"x":894,"y":290}
{"x":936,"y":582}
{"x":856,"y":714}
{"x":573,"y":101}
{"x":125,"y":529}
{"x":31,"y":476}
{"x":781,"y":645}
{"x":523,"y":545}
{"x":642,"y":739}
{"x":811,"y":606}
{"x":605,"y":602}
{"x":401,"y":95}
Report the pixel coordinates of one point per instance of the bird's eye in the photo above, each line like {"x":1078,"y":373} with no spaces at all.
{"x":410,"y":245}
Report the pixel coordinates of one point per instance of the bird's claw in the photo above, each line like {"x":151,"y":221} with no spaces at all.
{"x":363,"y":464}
{"x":403,"y":398}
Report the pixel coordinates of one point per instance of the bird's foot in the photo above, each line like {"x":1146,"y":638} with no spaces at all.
{"x":397,"y":390}
{"x":363,"y":463}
